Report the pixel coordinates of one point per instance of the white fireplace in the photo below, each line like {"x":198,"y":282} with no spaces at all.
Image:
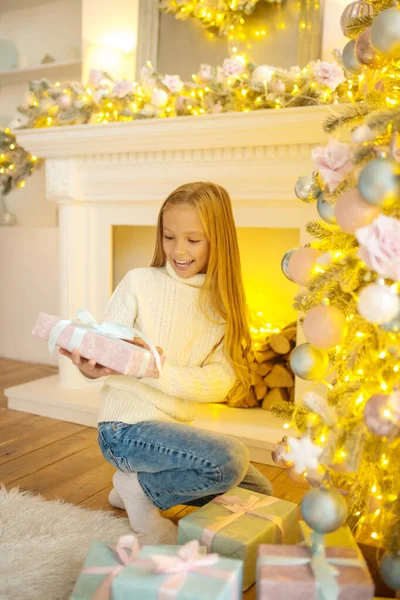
{"x":118,"y":174}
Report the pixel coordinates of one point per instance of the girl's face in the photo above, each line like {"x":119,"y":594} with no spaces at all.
{"x":184,"y":241}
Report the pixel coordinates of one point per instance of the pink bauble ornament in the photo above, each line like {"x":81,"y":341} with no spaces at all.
{"x":352,"y":212}
{"x":64,"y":101}
{"x":301,"y":265}
{"x":353,"y":10}
{"x":365,"y":52}
{"x":325,"y":327}
{"x":375,"y":419}
{"x":279,"y":452}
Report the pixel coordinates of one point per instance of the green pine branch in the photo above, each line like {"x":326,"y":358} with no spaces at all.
{"x":357,"y":25}
{"x":286,"y":411}
{"x":354,"y":115}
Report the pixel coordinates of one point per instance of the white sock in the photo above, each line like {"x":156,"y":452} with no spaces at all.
{"x":115,"y":499}
{"x":144,"y":517}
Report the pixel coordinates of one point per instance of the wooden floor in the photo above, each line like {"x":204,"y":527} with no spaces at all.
{"x":62,"y":460}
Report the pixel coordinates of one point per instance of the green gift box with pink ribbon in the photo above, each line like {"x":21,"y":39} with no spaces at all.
{"x":234,"y":524}
{"x":157,"y":573}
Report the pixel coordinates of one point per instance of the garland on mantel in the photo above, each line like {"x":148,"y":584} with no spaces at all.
{"x":224,"y":15}
{"x":235,"y":86}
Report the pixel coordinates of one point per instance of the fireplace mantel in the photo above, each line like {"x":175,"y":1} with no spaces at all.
{"x":118,"y":174}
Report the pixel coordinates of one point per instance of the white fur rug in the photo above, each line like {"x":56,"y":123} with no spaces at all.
{"x":43,"y":544}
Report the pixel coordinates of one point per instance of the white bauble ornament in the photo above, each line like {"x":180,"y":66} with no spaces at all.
{"x":385,"y":32}
{"x":378,"y":304}
{"x":363,"y":134}
{"x":159,"y":98}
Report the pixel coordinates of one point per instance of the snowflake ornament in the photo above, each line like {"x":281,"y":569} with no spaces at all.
{"x":303,"y":454}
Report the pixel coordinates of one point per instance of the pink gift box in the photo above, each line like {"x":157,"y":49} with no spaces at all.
{"x":298,"y":582}
{"x":116,"y":354}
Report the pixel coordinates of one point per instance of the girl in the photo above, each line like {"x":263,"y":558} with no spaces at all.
{"x":190,"y":302}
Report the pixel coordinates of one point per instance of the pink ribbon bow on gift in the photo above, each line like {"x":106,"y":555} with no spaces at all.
{"x":240,"y":507}
{"x":129,"y":542}
{"x":188,"y":560}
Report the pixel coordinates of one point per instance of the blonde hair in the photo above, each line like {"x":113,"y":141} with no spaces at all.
{"x":223,"y":286}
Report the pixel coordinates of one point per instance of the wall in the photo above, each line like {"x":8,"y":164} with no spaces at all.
{"x":29,"y":285}
{"x":261,"y":251}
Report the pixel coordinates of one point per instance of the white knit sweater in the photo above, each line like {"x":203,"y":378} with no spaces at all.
{"x":165,"y":307}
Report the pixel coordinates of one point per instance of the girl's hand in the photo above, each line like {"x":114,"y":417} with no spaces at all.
{"x":88,"y":367}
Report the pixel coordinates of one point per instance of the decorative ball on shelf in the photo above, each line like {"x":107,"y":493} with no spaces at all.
{"x":285,"y":262}
{"x":379,"y":182}
{"x":326,"y":210}
{"x":279,"y":452}
{"x":308,"y":362}
{"x":352,"y":212}
{"x":159,"y":98}
{"x":324,"y":510}
{"x":352,"y":11}
{"x":64,"y":101}
{"x":325,"y":327}
{"x":308,"y":187}
{"x":349,"y":58}
{"x":377,"y":416}
{"x":390,"y":570}
{"x":378,"y":304}
{"x":385,"y":32}
{"x":365,"y":52}
{"x":301,"y":264}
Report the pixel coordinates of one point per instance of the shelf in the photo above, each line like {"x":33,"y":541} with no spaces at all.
{"x":55,"y":71}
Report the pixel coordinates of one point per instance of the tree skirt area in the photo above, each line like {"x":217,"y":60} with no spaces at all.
{"x":43,"y":544}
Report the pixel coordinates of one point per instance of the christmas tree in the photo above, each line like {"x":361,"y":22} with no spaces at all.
{"x":348,"y":422}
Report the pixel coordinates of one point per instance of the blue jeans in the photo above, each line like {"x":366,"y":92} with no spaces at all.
{"x":179,"y":464}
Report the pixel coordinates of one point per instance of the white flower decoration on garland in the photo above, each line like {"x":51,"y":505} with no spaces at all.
{"x":303,"y":453}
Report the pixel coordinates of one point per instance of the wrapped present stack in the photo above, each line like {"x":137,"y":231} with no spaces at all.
{"x":272,"y":377}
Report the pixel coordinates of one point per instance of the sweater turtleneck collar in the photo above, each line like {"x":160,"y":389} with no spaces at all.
{"x":194,"y":281}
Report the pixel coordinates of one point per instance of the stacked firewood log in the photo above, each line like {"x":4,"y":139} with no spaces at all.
{"x":272,"y":378}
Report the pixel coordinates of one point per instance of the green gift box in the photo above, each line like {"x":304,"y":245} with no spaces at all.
{"x":156,"y":573}
{"x":341,"y":538}
{"x":235,"y":523}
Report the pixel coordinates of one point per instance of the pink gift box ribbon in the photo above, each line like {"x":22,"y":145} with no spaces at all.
{"x":189,"y":559}
{"x":114,"y":331}
{"x":240,"y":507}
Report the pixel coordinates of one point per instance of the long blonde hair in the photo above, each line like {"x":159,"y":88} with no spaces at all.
{"x":223,"y":286}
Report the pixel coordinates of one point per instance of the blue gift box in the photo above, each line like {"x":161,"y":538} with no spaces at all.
{"x":221,"y":580}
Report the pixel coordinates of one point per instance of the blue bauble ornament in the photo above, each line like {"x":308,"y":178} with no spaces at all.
{"x":379,"y":182}
{"x":393,"y":325}
{"x":324,"y":510}
{"x":390,"y":570}
{"x":349,"y":58}
{"x":285,"y":263}
{"x":385,"y":32}
{"x":308,"y":362}
{"x":325,"y":210}
{"x":308,"y":187}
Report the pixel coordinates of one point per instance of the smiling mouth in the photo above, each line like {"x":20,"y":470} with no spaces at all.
{"x":183,"y":265}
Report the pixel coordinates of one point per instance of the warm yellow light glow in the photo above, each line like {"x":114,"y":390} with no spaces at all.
{"x":286,"y":426}
{"x":374,"y":535}
{"x":373,"y":489}
{"x":382,"y":354}
{"x":387,"y":413}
